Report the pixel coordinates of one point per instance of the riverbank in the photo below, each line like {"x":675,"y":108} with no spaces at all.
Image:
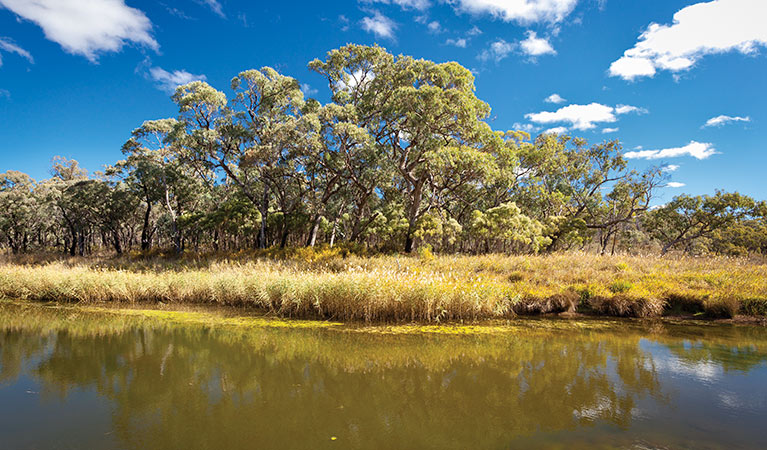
{"x":327,"y":286}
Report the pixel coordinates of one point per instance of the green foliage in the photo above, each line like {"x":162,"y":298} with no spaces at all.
{"x":687,"y":219}
{"x":402,"y":156}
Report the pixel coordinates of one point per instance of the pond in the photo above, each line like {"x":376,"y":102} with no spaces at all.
{"x":85,"y":378}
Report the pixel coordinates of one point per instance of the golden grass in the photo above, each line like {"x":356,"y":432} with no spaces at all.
{"x":325,"y":285}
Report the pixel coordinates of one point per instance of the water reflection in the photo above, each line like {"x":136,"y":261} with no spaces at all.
{"x":138,"y":383}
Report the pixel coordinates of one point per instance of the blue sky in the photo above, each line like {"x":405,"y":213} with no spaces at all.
{"x":681,"y":83}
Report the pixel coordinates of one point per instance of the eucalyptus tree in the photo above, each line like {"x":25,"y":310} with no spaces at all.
{"x":685,"y":219}
{"x":157,"y":172}
{"x":19,"y":205}
{"x":579,"y":189}
{"x":67,"y":190}
{"x":281,"y":137}
{"x":257,"y":146}
{"x":413,"y":109}
{"x":507,"y":228}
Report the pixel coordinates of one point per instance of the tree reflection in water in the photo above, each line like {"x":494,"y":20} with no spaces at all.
{"x":196,"y":386}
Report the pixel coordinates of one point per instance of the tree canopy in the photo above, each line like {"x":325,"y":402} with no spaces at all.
{"x":402,"y":156}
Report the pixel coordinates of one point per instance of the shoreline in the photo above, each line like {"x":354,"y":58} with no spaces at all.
{"x":237,"y":317}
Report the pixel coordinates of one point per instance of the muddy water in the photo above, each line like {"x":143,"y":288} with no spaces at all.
{"x":71,"y":378}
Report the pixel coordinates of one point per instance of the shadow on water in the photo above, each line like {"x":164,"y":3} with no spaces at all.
{"x":72,"y":379}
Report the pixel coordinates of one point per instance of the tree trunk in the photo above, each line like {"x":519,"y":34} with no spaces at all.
{"x":415,"y":205}
{"x":264,"y":215}
{"x":314,"y":230}
{"x":176,"y":238}
{"x":145,"y":242}
{"x":81,"y":243}
{"x":116,"y":242}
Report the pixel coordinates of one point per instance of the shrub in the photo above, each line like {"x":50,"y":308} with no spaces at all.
{"x":620,"y":286}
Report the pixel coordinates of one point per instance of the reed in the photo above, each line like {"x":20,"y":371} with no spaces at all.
{"x":330,"y":285}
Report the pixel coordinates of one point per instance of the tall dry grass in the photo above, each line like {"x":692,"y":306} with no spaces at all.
{"x":324,"y":284}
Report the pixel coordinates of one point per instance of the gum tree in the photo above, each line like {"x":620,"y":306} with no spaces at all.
{"x":413,"y":109}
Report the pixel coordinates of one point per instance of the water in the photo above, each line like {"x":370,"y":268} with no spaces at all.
{"x":73,"y":379}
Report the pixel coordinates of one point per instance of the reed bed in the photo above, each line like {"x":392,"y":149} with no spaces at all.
{"x":398,"y":288}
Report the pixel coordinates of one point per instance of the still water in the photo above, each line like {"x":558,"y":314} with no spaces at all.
{"x":76,"y":379}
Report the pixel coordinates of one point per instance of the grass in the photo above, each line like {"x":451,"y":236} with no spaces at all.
{"x":328,"y":284}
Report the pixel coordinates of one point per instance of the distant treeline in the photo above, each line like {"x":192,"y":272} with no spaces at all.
{"x":401,"y":157}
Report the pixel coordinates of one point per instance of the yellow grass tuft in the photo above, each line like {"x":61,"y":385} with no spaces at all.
{"x":327,"y":285}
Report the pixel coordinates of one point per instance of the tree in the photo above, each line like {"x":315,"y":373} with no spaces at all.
{"x":412,"y":109}
{"x":685,"y":218}
{"x":155,"y":170}
{"x":19,"y":205}
{"x":572,"y":186}
{"x":506,"y":227}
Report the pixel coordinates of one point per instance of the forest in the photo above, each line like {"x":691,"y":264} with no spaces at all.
{"x":403,"y":158}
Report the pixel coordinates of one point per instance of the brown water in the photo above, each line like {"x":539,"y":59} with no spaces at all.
{"x":90,"y":380}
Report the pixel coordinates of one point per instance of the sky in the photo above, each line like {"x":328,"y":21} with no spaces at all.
{"x":681,"y":84}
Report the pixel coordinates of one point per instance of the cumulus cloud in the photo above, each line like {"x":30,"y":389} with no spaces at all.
{"x":460,"y":42}
{"x":554,"y":98}
{"x":674,"y":184}
{"x":609,"y":130}
{"x":308,"y":90}
{"x":434,"y":27}
{"x":698,"y":150}
{"x":535,"y":46}
{"x":581,"y":117}
{"x":475,"y":31}
{"x":87,"y":27}
{"x":701,"y":29}
{"x":497,"y":51}
{"x":556,"y":130}
{"x":670,"y":168}
{"x":169,"y":81}
{"x":380,"y":25}
{"x":520,"y":11}
{"x":719,"y":121}
{"x":625,"y":109}
{"x":7,"y":45}
{"x":524,"y":127}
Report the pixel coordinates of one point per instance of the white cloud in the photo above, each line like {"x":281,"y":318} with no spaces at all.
{"x":87,"y":27}
{"x":535,"y":46}
{"x":556,"y":130}
{"x":434,"y":27}
{"x":674,"y":184}
{"x":670,"y":168}
{"x":169,"y":81}
{"x":718,"y":121}
{"x":582,"y":117}
{"x":308,"y":90}
{"x":404,"y":4}
{"x":521,"y":11}
{"x":475,"y":31}
{"x":554,"y":98}
{"x":625,"y":109}
{"x":461,"y":42}
{"x":214,"y":5}
{"x":609,"y":130}
{"x":7,"y":44}
{"x":629,"y":68}
{"x":701,"y":29}
{"x":698,"y":150}
{"x":379,"y":25}
{"x":524,"y":127}
{"x":497,"y":51}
